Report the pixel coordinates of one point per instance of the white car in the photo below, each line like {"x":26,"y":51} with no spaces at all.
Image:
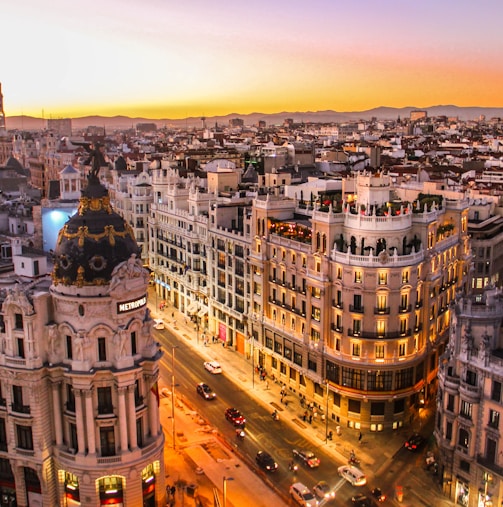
{"x":159,"y":324}
{"x":302,"y":495}
{"x":353,"y":475}
{"x":213,"y":367}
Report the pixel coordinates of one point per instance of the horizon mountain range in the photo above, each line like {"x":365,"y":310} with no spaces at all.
{"x":329,"y":116}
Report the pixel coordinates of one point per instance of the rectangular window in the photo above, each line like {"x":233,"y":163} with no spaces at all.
{"x":315,"y":313}
{"x":139,"y":432}
{"x":311,"y":365}
{"x":466,"y":409}
{"x":332,"y":372}
{"x":448,"y":431}
{"x":20,"y":347}
{"x":379,"y":351}
{"x":3,"y":435}
{"x":315,"y":335}
{"x":450,"y":403}
{"x":69,"y":350}
{"x":405,"y":277}
{"x":24,"y":437}
{"x":288,"y":353}
{"x":354,"y":406}
{"x":402,"y":349}
{"x":381,"y":328}
{"x":383,"y":277}
{"x":133,"y":343}
{"x":496,"y":391}
{"x":352,"y":378}
{"x":278,"y":348}
{"x":107,"y":441}
{"x":105,"y":400}
{"x":18,"y":321}
{"x":297,"y":358}
{"x":268,"y":342}
{"x":102,"y":349}
{"x":356,"y":349}
{"x":494,"y":419}
{"x":471,"y":378}
{"x":316,"y":292}
{"x":70,"y":398}
{"x":358,"y":277}
{"x":377,"y":408}
{"x":357,"y":327}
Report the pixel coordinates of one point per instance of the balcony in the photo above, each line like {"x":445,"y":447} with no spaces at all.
{"x":379,"y":336}
{"x":385,"y":310}
{"x":337,"y":329}
{"x":470,"y":393}
{"x":490,"y":465}
{"x":337,"y":304}
{"x":356,"y":309}
{"x":20,"y":409}
{"x":405,"y":309}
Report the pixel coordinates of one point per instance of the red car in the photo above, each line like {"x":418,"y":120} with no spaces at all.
{"x":235,"y":417}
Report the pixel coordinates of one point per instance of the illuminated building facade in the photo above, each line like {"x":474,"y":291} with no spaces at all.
{"x":79,"y":413}
{"x":350,"y":297}
{"x":469,"y":411}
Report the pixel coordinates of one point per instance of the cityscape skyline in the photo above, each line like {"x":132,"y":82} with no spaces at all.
{"x":174,"y":61}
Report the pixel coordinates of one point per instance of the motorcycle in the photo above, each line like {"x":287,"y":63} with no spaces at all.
{"x":240,"y":434}
{"x":292,"y":466}
{"x":353,"y":460}
{"x":275,"y":416}
{"x":378,"y":494}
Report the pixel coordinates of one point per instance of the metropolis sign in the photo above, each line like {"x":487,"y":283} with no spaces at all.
{"x":129,"y":306}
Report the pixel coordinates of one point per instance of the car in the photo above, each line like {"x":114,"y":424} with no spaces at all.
{"x":414,"y":442}
{"x":302,"y":495}
{"x":213,"y":367}
{"x":308,"y":458}
{"x":205,"y":391}
{"x":235,"y":417}
{"x":266,"y":461}
{"x":159,"y":324}
{"x":323,"y":491}
{"x":353,"y":475}
{"x":361,"y":501}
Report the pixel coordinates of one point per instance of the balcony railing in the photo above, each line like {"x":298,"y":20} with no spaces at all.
{"x":20,"y":409}
{"x":385,"y":310}
{"x":337,"y":304}
{"x":377,"y":335}
{"x":356,"y":309}
{"x":404,"y":309}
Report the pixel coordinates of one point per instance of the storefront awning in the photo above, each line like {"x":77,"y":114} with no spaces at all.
{"x":202,"y":312}
{"x":192,"y":308}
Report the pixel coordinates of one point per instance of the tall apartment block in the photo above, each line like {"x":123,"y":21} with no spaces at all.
{"x":350,"y":296}
{"x":79,"y":414}
{"x":469,"y":402}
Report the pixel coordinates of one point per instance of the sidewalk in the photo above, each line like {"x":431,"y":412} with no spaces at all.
{"x":374,"y":450}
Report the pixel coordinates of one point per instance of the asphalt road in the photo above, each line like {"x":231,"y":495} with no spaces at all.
{"x":262,"y":433}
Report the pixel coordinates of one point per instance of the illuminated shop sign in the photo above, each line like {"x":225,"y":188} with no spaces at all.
{"x":129,"y":306}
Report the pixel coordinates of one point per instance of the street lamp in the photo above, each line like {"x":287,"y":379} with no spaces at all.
{"x":224,"y":490}
{"x":326,"y":412}
{"x":173,"y":347}
{"x":252,"y":361}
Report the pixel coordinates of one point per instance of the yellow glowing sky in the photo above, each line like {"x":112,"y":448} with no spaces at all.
{"x":174,"y":59}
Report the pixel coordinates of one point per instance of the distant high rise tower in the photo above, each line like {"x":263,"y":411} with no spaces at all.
{"x":2,"y":114}
{"x":203,"y":119}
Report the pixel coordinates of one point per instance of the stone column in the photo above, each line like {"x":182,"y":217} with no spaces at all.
{"x":123,"y":422}
{"x":153,"y":408}
{"x":79,"y":416}
{"x":91,"y":435}
{"x":57,"y":411}
{"x":131,"y":407}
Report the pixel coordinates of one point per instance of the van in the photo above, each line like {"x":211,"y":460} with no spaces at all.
{"x":353,"y":475}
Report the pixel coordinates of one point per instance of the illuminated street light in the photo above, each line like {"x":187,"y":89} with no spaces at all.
{"x":224,"y":490}
{"x":173,"y":347}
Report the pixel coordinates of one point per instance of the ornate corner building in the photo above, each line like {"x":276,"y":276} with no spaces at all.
{"x":79,"y":414}
{"x":468,"y":423}
{"x":350,"y":297}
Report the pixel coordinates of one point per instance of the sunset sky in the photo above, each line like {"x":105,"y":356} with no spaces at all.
{"x":181,"y":58}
